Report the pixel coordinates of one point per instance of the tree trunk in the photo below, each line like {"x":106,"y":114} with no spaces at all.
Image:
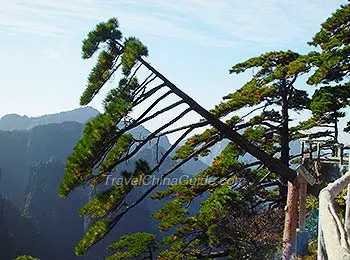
{"x":336,"y":131}
{"x":284,"y":135}
{"x":291,"y":215}
{"x":273,"y":164}
{"x":285,"y":127}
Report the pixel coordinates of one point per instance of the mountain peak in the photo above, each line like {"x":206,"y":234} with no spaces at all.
{"x":17,"y":122}
{"x":12,"y":116}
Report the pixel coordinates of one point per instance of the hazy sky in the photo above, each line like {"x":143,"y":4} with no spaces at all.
{"x":193,"y":42}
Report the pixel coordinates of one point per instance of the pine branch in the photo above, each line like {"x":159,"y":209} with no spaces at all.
{"x":146,"y":95}
{"x":195,"y":125}
{"x":149,"y":137}
{"x":166,"y":154}
{"x":144,"y":84}
{"x":152,"y":106}
{"x":255,"y":109}
{"x":162,"y":111}
{"x":132,"y":76}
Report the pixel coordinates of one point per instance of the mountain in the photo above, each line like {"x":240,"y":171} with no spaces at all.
{"x":17,"y":122}
{"x":31,"y":168}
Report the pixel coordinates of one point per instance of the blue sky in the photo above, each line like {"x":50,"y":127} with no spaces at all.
{"x":193,"y":42}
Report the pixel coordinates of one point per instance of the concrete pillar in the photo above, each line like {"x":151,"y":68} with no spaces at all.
{"x":291,"y":221}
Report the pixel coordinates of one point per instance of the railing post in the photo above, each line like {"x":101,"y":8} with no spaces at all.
{"x":302,"y":234}
{"x":341,"y":152}
{"x":333,"y":244}
{"x":310,"y":150}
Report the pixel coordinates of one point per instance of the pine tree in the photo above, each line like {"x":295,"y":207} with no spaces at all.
{"x":106,"y":143}
{"x":332,"y":67}
{"x":333,"y":39}
{"x":326,"y":106}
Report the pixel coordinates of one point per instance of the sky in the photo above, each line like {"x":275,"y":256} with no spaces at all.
{"x":193,"y":42}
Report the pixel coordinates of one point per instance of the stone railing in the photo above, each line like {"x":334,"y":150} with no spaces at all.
{"x":333,"y":234}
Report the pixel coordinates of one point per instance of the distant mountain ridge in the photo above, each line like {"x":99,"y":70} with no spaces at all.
{"x":17,"y":122}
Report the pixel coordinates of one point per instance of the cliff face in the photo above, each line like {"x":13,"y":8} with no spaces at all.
{"x":56,"y":219}
{"x":19,"y":150}
{"x":7,"y":243}
{"x":17,"y":233}
{"x":31,"y":167}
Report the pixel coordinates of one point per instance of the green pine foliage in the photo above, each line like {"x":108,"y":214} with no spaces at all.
{"x":133,"y":246}
{"x":25,"y":257}
{"x":102,"y":136}
{"x":332,"y":68}
{"x":108,"y":35}
{"x":133,"y":49}
{"x":251,"y":94}
{"x":115,"y":153}
{"x":96,"y":231}
{"x":105,"y":201}
{"x":104,"y":32}
{"x":333,"y":39}
{"x":328,"y":101}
